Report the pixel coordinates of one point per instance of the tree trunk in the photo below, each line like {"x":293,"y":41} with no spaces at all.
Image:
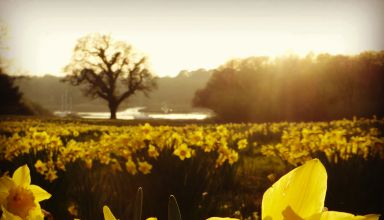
{"x":113,"y":109}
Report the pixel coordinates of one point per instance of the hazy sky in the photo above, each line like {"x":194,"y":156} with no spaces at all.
{"x":178,"y":34}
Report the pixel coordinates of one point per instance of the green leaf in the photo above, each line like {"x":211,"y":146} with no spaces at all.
{"x":173,"y":209}
{"x":138,"y":205}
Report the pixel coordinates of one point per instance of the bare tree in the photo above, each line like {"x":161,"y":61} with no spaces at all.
{"x":108,"y":69}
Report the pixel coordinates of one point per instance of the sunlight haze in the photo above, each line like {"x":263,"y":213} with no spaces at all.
{"x":187,"y":35}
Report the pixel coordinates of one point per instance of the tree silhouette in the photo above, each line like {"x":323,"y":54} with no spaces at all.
{"x":11,"y":97}
{"x":108,"y":69}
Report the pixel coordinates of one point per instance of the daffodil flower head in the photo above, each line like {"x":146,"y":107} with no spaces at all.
{"x":303,"y":189}
{"x":300,"y":195}
{"x":19,"y":199}
{"x":183,"y":151}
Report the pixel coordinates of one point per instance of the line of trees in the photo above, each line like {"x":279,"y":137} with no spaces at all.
{"x":290,"y":88}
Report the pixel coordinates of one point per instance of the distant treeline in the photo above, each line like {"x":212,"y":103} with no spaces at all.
{"x":290,"y":88}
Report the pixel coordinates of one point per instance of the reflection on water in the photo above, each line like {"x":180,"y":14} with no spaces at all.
{"x":197,"y":116}
{"x":134,"y":113}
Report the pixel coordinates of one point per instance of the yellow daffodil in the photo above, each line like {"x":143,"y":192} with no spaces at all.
{"x":300,"y":195}
{"x":243,"y":143}
{"x":131,"y":167}
{"x":182,"y":151}
{"x":19,"y":199}
{"x":233,"y":157}
{"x":41,"y":167}
{"x":144,"y":167}
{"x":152,"y":151}
{"x":72,"y":209}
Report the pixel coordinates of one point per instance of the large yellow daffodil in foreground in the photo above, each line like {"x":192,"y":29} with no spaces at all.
{"x":19,"y":200}
{"x":300,"y":195}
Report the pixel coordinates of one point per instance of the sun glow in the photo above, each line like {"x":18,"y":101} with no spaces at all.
{"x":190,"y":35}
{"x":169,"y":53}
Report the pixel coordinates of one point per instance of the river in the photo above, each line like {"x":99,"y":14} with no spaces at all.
{"x":134,"y":113}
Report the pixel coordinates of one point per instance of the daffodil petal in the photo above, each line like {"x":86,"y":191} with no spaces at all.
{"x":371,"y":217}
{"x":108,"y":214}
{"x":3,"y":197}
{"x":6,"y":184}
{"x":8,"y":216}
{"x":333,"y":215}
{"x":303,"y":189}
{"x":22,"y":176}
{"x":35,"y":214}
{"x":39,"y":193}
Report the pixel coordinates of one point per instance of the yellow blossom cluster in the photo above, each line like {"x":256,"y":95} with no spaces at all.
{"x":338,"y":140}
{"x":52,"y":145}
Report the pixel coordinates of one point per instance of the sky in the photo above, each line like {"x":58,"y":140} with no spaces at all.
{"x":186,"y":35}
